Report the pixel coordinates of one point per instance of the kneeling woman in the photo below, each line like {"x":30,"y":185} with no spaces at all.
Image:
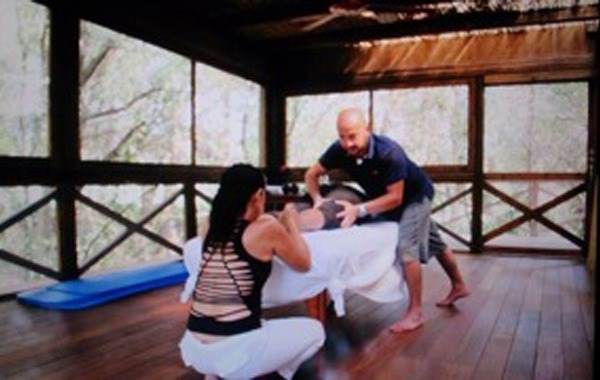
{"x":225,"y":334}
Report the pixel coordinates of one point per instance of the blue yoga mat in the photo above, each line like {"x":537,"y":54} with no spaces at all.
{"x":84,"y":293}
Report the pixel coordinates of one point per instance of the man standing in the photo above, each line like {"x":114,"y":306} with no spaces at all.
{"x":397,"y":190}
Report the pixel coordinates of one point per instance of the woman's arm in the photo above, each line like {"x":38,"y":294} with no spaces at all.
{"x":270,"y":236}
{"x":288,"y":242}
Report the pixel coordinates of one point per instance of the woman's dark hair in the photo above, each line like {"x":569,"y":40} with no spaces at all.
{"x":237,"y":186}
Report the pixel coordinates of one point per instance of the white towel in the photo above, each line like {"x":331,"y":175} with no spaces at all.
{"x":359,"y":258}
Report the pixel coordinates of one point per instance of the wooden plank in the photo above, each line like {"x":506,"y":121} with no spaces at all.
{"x":443,"y":328}
{"x":492,"y":362}
{"x":385,"y":347}
{"x":583,"y":280}
{"x":477,"y":20}
{"x":96,"y":354}
{"x":421,"y":349}
{"x":143,"y":331}
{"x":521,"y":359}
{"x":577,"y":352}
{"x":443,"y":363}
{"x":549,"y":360}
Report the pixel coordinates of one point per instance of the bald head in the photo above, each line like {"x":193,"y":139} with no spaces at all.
{"x":353,"y":131}
{"x":351,"y":118}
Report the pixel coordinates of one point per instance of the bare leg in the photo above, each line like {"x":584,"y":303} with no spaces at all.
{"x":413,"y":318}
{"x":311,"y":219}
{"x":459,"y":288}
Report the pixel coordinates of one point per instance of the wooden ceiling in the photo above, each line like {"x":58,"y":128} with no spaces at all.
{"x":248,"y":36}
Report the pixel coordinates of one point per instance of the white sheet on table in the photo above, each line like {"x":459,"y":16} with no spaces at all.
{"x":360,"y":258}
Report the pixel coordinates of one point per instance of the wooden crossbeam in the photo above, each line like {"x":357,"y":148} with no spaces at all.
{"x":12,"y":258}
{"x":454,"y":235}
{"x":203,"y":196}
{"x":451,"y":200}
{"x":26,"y":211}
{"x":131,"y":228}
{"x":536,"y":214}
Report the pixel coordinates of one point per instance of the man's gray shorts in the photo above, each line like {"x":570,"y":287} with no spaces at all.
{"x":418,"y":237}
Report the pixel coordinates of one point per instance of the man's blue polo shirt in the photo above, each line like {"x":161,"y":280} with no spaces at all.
{"x":384,"y":164}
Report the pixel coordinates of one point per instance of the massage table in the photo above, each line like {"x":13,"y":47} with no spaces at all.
{"x":359,"y":259}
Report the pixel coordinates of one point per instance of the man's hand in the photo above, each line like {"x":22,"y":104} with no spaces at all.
{"x":349,"y":214}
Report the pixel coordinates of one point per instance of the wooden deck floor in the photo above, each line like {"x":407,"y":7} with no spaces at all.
{"x":528,"y":318}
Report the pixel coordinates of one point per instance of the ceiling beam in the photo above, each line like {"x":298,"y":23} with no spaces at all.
{"x":282,"y":11}
{"x":175,"y":29}
{"x":478,"y":20}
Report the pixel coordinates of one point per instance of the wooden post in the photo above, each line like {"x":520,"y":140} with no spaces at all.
{"x":476,"y":109}
{"x":191,"y":225}
{"x":64,"y":129}
{"x":592,"y":163}
{"x":275,"y":132}
{"x":593,"y":170}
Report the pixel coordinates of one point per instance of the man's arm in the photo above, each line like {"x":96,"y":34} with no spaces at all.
{"x":388,"y":201}
{"x":311,"y":179}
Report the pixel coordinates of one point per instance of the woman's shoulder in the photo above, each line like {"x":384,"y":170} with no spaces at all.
{"x":265,"y":223}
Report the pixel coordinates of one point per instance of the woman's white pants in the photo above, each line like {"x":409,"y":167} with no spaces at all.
{"x":280,"y":345}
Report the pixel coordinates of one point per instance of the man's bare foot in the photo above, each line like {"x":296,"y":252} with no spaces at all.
{"x":411,"y":321}
{"x":455,"y":294}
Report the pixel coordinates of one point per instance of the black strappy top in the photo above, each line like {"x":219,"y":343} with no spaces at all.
{"x":230,"y":280}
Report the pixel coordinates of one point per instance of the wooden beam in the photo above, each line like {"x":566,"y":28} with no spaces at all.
{"x":26,"y":211}
{"x":64,"y":129}
{"x":12,"y":258}
{"x":99,"y":172}
{"x":536,"y":214}
{"x":275,"y":133}
{"x":172,"y":26}
{"x":476,"y":130}
{"x":191,"y":225}
{"x":531,"y":250}
{"x":288,"y":11}
{"x":454,"y":235}
{"x":534,"y":176}
{"x":131,"y":228}
{"x":39,"y":171}
{"x":204,"y":197}
{"x":476,"y":20}
{"x":452,"y":176}
{"x":451,"y":200}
